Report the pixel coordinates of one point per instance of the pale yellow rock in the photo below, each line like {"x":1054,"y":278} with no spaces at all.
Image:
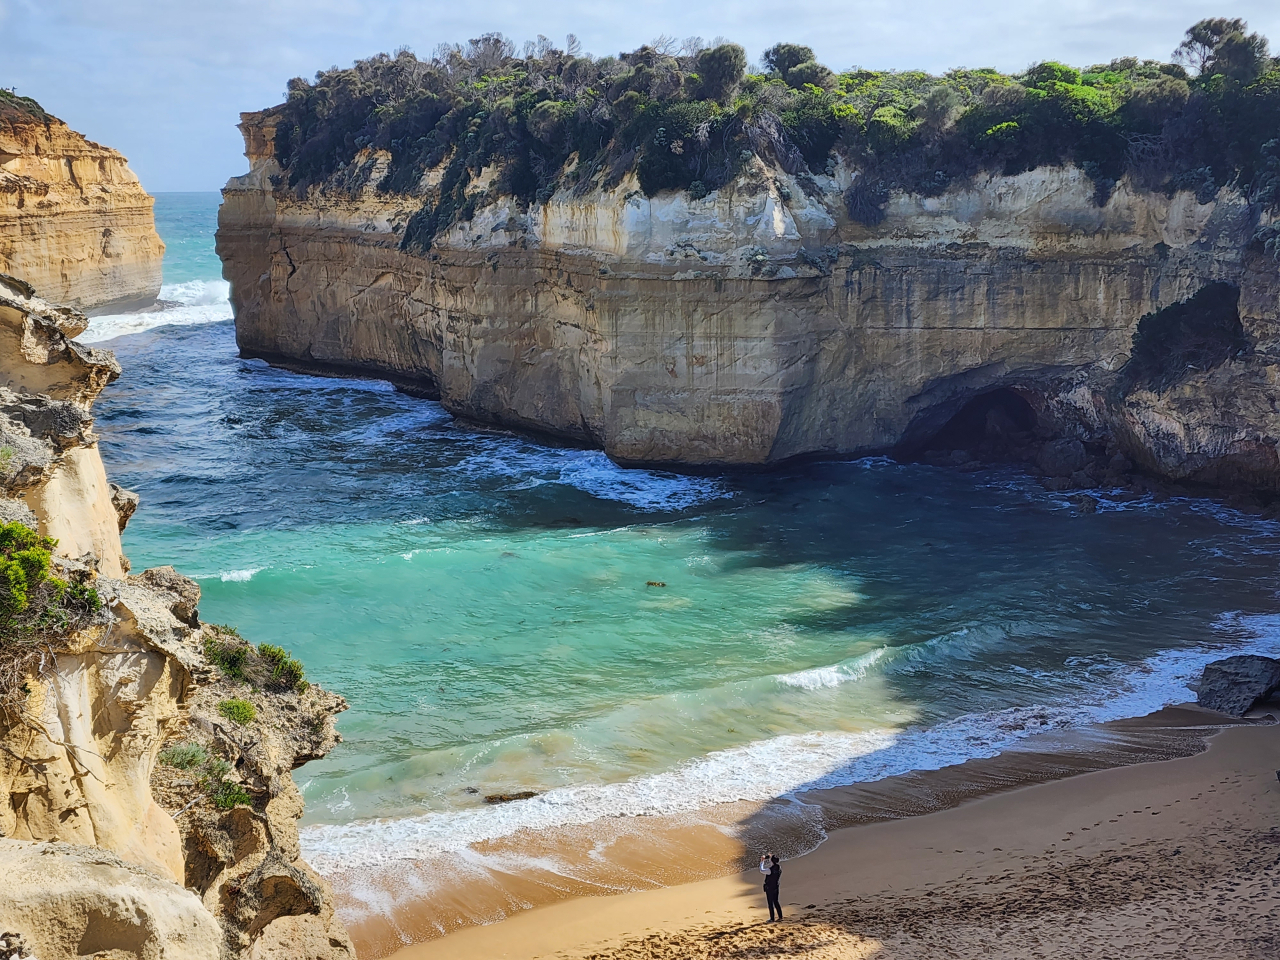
{"x":759,"y":323}
{"x":70,"y":902}
{"x":87,"y":712}
{"x":71,"y":498}
{"x":74,"y":221}
{"x":78,"y":765}
{"x":74,"y":507}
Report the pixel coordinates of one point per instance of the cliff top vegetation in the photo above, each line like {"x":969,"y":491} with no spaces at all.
{"x":687,"y":116}
{"x":11,"y":104}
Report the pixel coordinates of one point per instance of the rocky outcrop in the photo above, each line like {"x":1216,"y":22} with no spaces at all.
{"x":113,"y":844}
{"x":1236,"y":685}
{"x":78,"y":901}
{"x":47,"y":384}
{"x":762,"y":323}
{"x":74,"y":221}
{"x":244,"y":860}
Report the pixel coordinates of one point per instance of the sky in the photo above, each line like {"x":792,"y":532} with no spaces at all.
{"x":164,"y":81}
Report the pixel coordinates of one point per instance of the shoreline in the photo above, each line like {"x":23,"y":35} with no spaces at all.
{"x":905,"y":805}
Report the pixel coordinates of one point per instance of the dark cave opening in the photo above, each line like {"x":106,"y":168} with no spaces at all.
{"x":995,"y":423}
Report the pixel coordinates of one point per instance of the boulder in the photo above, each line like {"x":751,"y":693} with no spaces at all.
{"x":1062,"y":458}
{"x":125,"y":502}
{"x":1237,"y":684}
{"x":183,"y":592}
{"x":66,"y":902}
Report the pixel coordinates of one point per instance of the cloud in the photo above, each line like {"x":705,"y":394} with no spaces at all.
{"x":164,"y":81}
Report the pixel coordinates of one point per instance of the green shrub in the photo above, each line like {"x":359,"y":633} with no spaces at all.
{"x":227,"y":650}
{"x":1051,"y":72}
{"x":720,"y":70}
{"x":24,"y":564}
{"x":810,"y":73}
{"x":238,"y":710}
{"x":266,"y":667}
{"x":781,"y":57}
{"x":185,"y":755}
{"x":34,"y":604}
{"x":694,"y":117}
{"x":226,"y":795}
{"x":211,"y":772}
{"x":286,"y":672}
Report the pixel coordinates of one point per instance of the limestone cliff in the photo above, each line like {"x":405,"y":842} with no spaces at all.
{"x":761,"y":322}
{"x":112,"y":841}
{"x":74,"y":221}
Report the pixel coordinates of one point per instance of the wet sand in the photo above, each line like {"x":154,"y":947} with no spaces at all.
{"x":1154,"y":859}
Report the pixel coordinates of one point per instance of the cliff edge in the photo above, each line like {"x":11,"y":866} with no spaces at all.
{"x":146,"y":802}
{"x":865,"y":263}
{"x":74,"y":221}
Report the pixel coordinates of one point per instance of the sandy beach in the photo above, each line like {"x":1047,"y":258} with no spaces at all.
{"x":1173,"y":858}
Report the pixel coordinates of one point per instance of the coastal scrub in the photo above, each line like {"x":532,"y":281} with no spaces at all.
{"x":265,"y":667}
{"x":238,"y":710}
{"x":38,"y":608}
{"x":688,"y":116}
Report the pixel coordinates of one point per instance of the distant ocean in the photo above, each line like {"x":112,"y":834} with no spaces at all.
{"x":485,"y":602}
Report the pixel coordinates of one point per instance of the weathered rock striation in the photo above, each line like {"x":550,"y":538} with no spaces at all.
{"x":74,"y":221}
{"x":761,"y":323}
{"x":110,"y":849}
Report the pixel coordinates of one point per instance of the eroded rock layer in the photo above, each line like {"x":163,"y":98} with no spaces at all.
{"x":74,"y":221}
{"x":761,"y":322}
{"x":136,"y":819}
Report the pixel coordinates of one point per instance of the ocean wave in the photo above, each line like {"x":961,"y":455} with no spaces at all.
{"x":197,"y":293}
{"x":594,"y":473}
{"x":195,"y":302}
{"x":239,"y":576}
{"x":787,"y":765}
{"x":818,"y":678}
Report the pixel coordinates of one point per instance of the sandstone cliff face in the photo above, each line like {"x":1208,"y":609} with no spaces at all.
{"x":761,"y":323}
{"x":111,"y":850}
{"x":74,"y":221}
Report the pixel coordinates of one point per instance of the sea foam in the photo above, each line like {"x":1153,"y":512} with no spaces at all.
{"x":788,"y":765}
{"x":185,"y":304}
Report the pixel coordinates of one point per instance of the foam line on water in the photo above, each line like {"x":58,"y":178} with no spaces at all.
{"x":185,"y":304}
{"x":785,"y":765}
{"x":591,"y":471}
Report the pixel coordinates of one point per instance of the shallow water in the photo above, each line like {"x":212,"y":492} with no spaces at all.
{"x":484,"y":601}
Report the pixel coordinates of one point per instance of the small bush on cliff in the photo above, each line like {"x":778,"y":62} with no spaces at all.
{"x":266,"y":667}
{"x":34,"y":603}
{"x":184,"y":755}
{"x":227,"y":650}
{"x":225,"y":794}
{"x":211,"y":773}
{"x":286,"y":672}
{"x":547,"y":118}
{"x":238,"y":710}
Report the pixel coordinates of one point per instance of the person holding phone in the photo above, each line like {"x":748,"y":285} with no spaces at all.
{"x":772,"y":871}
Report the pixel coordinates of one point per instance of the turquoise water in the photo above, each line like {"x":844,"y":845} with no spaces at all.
{"x":484,"y":601}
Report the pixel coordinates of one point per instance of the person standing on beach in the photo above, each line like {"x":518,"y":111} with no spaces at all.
{"x":772,"y":870}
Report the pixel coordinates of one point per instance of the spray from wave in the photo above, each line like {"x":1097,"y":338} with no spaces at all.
{"x":180,"y":305}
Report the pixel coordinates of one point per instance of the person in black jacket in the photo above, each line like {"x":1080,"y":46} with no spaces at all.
{"x":773,"y":874}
